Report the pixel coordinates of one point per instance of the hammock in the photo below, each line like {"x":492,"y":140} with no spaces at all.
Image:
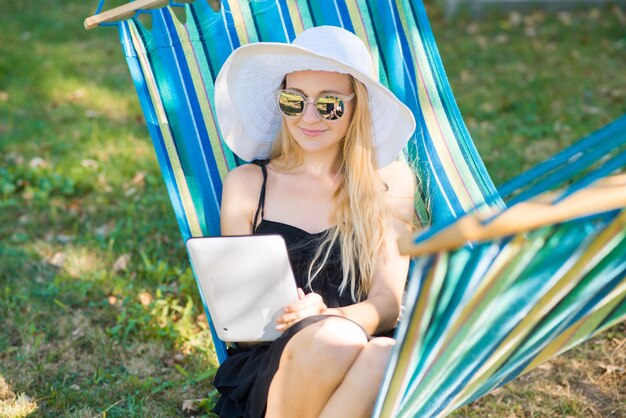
{"x":476,"y":314}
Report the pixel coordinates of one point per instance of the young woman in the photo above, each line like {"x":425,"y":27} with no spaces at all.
{"x":324,"y":135}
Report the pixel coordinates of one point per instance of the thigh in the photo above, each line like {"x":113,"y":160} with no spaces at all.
{"x":325,"y":332}
{"x":313,"y":364}
{"x":357,"y":394}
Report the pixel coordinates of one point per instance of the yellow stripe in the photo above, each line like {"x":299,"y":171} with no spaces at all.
{"x":243,"y":22}
{"x":362,"y":22}
{"x":296,"y":18}
{"x":177,"y":170}
{"x":356,"y":19}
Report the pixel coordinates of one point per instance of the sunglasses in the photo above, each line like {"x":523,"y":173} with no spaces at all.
{"x":328,"y":106}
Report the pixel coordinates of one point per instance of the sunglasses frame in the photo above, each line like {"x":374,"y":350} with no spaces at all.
{"x":307,"y":101}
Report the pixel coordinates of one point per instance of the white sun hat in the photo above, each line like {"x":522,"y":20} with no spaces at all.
{"x":245,"y":87}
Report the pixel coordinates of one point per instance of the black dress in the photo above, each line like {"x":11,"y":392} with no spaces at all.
{"x":243,"y":380}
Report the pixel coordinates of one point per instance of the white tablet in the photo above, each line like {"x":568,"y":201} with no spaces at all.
{"x":246,"y":282}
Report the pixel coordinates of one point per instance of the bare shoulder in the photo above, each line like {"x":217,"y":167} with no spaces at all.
{"x":400,"y":180}
{"x":246,"y":177}
{"x":240,"y":195}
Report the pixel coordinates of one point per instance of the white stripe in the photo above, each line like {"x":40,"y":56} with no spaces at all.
{"x":282,"y":20}
{"x":339,"y":15}
{"x":230,"y":42}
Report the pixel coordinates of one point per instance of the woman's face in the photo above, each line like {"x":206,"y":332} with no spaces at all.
{"x":313,"y":133}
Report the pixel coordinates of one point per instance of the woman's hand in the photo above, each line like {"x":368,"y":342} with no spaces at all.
{"x":307,"y":305}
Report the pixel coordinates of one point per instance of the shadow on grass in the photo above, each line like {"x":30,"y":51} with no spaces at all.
{"x":79,"y":347}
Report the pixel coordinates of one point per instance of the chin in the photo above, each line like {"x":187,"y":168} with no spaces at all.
{"x":314,"y":144}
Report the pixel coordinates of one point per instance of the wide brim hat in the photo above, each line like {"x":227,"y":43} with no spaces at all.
{"x":245,"y":100}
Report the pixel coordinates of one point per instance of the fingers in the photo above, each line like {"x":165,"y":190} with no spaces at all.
{"x":297,"y":315}
{"x":311,"y":300}
{"x":286,"y":322}
{"x":309,"y":305}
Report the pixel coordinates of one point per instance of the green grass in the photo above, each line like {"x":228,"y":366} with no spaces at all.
{"x":99,"y":312}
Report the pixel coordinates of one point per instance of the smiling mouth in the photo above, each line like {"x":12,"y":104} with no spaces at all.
{"x":312,"y":132}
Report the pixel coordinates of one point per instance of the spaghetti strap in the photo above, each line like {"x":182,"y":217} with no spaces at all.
{"x":261,"y":205}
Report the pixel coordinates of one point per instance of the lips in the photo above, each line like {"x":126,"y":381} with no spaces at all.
{"x":313,"y":132}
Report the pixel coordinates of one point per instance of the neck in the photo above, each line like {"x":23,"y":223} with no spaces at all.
{"x":324,"y":163}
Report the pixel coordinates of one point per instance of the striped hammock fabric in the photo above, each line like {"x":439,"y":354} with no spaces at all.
{"x":481,"y":316}
{"x":475,"y":317}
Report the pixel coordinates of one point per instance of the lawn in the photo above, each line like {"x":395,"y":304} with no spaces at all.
{"x":99,"y":311}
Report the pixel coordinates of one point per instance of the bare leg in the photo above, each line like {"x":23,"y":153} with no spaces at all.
{"x":356,"y":395}
{"x":312,"y":366}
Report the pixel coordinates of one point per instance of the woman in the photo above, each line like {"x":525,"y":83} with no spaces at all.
{"x":327,"y":134}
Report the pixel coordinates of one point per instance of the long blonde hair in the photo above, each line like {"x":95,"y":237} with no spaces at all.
{"x":361,"y":213}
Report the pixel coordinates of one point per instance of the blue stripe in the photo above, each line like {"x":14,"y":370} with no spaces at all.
{"x":229,"y":24}
{"x":408,"y":95}
{"x":344,"y":15}
{"x":269,"y":23}
{"x":284,"y":12}
{"x":322,"y":14}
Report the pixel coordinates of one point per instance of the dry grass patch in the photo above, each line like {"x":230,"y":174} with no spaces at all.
{"x":587,"y":381}
{"x":14,"y":406}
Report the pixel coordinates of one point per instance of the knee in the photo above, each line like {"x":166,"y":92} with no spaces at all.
{"x":332,"y":343}
{"x":377,"y":351}
{"x":335,"y":332}
{"x":375,"y":357}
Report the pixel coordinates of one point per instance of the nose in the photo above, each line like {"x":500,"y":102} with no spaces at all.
{"x":310,"y":113}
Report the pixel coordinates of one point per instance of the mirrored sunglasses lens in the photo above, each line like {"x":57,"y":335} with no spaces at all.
{"x":330,"y":107}
{"x":291,"y":104}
